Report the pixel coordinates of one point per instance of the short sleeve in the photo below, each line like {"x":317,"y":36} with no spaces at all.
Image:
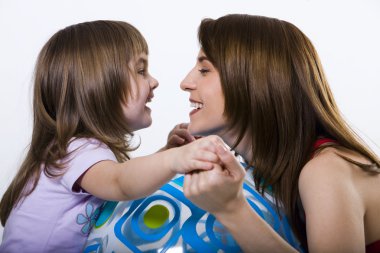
{"x":84,"y":153}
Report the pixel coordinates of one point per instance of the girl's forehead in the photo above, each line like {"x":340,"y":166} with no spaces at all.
{"x":141,"y":58}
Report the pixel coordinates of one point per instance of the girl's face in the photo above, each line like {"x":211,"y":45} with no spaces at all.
{"x":142,"y":86}
{"x":206,"y":97}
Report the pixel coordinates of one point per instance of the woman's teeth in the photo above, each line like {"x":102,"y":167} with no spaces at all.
{"x":196,"y":105}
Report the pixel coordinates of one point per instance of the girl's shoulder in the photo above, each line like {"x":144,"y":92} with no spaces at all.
{"x":82,"y":148}
{"x":81,"y":142}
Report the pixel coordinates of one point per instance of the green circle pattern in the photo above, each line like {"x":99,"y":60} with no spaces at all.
{"x":156,"y":216}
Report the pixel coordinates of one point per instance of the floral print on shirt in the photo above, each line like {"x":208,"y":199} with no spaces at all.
{"x":88,"y":219}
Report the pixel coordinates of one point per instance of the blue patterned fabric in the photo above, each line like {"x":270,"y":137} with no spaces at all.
{"x":167,"y":221}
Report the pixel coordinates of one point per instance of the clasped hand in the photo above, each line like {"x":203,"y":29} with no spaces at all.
{"x":213,"y":176}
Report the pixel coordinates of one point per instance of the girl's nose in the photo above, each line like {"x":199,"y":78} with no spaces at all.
{"x":153,"y":83}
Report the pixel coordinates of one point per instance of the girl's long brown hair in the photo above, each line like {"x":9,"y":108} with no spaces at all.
{"x":276,"y":94}
{"x":81,"y":78}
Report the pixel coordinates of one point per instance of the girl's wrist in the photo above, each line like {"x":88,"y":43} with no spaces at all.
{"x":169,"y":159}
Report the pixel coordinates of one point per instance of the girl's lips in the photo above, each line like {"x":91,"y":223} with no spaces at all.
{"x":149,"y":99}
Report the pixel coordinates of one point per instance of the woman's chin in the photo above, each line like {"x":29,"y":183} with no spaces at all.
{"x":212,"y":129}
{"x":198,"y":133}
{"x":194,"y":131}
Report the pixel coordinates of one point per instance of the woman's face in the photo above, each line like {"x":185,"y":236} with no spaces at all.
{"x":206,"y":98}
{"x":142,"y":85}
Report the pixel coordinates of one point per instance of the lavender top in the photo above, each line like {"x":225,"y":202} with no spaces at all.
{"x":54,"y":217}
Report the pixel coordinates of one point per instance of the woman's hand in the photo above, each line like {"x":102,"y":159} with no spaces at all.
{"x":218,"y":190}
{"x":178,"y":136}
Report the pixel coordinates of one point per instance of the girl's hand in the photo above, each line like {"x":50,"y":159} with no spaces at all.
{"x":197,"y":155}
{"x":218,"y":190}
{"x":178,"y":136}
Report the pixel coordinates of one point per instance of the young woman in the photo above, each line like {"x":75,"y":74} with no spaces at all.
{"x":258,"y":83}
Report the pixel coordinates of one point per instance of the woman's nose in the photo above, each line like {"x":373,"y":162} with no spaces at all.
{"x":188,"y":82}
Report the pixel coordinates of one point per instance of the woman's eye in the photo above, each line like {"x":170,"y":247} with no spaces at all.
{"x":204,"y":71}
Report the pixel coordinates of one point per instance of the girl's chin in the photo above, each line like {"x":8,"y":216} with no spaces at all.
{"x":143,"y":124}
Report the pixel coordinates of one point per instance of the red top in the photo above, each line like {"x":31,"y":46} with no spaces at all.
{"x":370,"y":248}
{"x":322,"y":141}
{"x":373,"y":247}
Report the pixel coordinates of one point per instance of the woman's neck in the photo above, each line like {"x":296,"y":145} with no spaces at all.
{"x":243,"y":148}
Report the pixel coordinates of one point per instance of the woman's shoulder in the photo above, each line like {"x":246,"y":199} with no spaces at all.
{"x":330,"y":162}
{"x":334,"y":187}
{"x":331,"y":174}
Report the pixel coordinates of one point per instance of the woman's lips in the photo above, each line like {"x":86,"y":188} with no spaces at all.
{"x":198,"y":106}
{"x":194,"y":111}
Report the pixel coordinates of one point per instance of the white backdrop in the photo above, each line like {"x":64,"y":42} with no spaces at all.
{"x":345,"y":33}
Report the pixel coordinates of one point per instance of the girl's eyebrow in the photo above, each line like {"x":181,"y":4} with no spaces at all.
{"x":143,"y":61}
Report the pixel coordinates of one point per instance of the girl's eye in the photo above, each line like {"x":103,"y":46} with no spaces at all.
{"x":203,"y":71}
{"x":141,"y":72}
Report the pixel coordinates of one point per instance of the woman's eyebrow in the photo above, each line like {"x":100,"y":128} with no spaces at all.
{"x":202,"y":58}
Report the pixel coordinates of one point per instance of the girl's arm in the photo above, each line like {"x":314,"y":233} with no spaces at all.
{"x":142,"y":176}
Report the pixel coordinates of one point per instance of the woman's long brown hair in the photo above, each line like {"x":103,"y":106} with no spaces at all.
{"x":81,"y":78}
{"x":277,"y":95}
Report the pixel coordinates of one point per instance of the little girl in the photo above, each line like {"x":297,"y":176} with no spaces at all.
{"x":90,"y":93}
